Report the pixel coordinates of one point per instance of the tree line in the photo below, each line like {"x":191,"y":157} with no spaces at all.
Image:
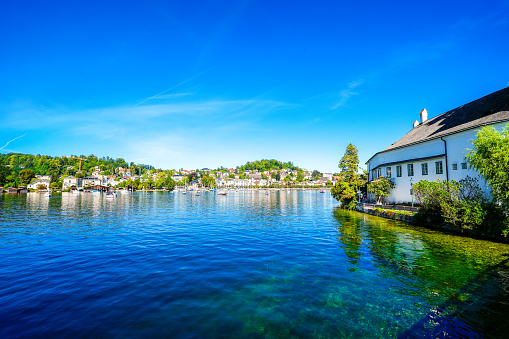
{"x":12,"y":166}
{"x":267,"y":165}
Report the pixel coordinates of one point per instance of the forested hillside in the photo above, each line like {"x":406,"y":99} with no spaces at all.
{"x":12,"y":163}
{"x":267,"y":165}
{"x":15,"y":166}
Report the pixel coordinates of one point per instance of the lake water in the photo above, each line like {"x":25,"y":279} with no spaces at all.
{"x":243,"y":265}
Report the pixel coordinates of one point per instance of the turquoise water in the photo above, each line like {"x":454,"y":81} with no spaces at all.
{"x":243,"y":265}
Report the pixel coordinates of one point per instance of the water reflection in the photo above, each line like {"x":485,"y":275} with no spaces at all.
{"x":246,"y":265}
{"x":453,"y":276}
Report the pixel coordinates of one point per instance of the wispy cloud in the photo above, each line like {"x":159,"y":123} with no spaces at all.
{"x":174,"y":95}
{"x":8,"y":142}
{"x":173,"y":87}
{"x":317,"y":96}
{"x":347,"y":93}
{"x":167,"y":151}
{"x":121,"y":121}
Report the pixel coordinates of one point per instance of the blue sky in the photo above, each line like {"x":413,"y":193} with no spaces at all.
{"x":192,"y":84}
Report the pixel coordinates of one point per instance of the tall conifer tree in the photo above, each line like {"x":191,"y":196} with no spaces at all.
{"x":346,"y":190}
{"x":349,"y":163}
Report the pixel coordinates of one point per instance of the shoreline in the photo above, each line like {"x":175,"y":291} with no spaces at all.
{"x":443,"y":228}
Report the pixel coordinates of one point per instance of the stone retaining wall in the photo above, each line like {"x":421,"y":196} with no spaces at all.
{"x":385,"y":214}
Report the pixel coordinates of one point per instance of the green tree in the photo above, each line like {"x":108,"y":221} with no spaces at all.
{"x":300,"y":176}
{"x":490,"y":157}
{"x":81,"y":174}
{"x":346,"y":190}
{"x":4,"y":173}
{"x":13,"y":160}
{"x":349,"y":163}
{"x":148,"y":184}
{"x":266,"y":165}
{"x":208,"y":181}
{"x":459,"y":204}
{"x":56,"y":184}
{"x":192,"y":176}
{"x":25,"y":176}
{"x":316,"y":174}
{"x":345,"y":193}
{"x":381,"y":188}
{"x":169,"y":183}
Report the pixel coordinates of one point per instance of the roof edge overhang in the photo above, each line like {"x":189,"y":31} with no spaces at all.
{"x":437,"y":137}
{"x":409,"y":160}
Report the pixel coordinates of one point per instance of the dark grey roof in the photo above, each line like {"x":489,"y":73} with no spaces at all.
{"x":486,"y":110}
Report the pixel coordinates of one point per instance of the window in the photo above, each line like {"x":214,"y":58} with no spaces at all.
{"x":398,"y":171}
{"x":388,"y":172}
{"x":463,"y":165}
{"x":379,"y":172}
{"x":439,"y":167}
{"x":424,"y":169}
{"x":410,"y":170}
{"x":454,"y":167}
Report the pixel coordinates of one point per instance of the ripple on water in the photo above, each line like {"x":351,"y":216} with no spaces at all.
{"x":244,"y":265}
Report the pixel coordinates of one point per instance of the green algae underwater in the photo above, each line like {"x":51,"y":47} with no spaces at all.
{"x":397,"y":281}
{"x":248,"y":265}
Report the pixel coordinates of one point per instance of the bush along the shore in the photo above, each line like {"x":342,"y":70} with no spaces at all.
{"x":461,"y":205}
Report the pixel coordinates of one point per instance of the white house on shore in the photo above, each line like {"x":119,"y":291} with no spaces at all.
{"x":436,"y":148}
{"x":71,"y":181}
{"x":36,"y":182}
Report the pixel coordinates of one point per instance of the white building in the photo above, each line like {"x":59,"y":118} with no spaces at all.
{"x":436,"y":148}
{"x":92,"y":181}
{"x":178,"y":177}
{"x":327,"y":176}
{"x":71,"y":181}
{"x":38,"y":181}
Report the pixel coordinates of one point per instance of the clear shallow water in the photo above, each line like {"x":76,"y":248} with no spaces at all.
{"x":244,"y":265}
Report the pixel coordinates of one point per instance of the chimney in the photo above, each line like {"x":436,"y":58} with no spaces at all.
{"x":416,"y":123}
{"x":424,"y":115}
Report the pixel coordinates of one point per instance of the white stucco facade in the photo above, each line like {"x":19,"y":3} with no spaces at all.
{"x":441,"y":158}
